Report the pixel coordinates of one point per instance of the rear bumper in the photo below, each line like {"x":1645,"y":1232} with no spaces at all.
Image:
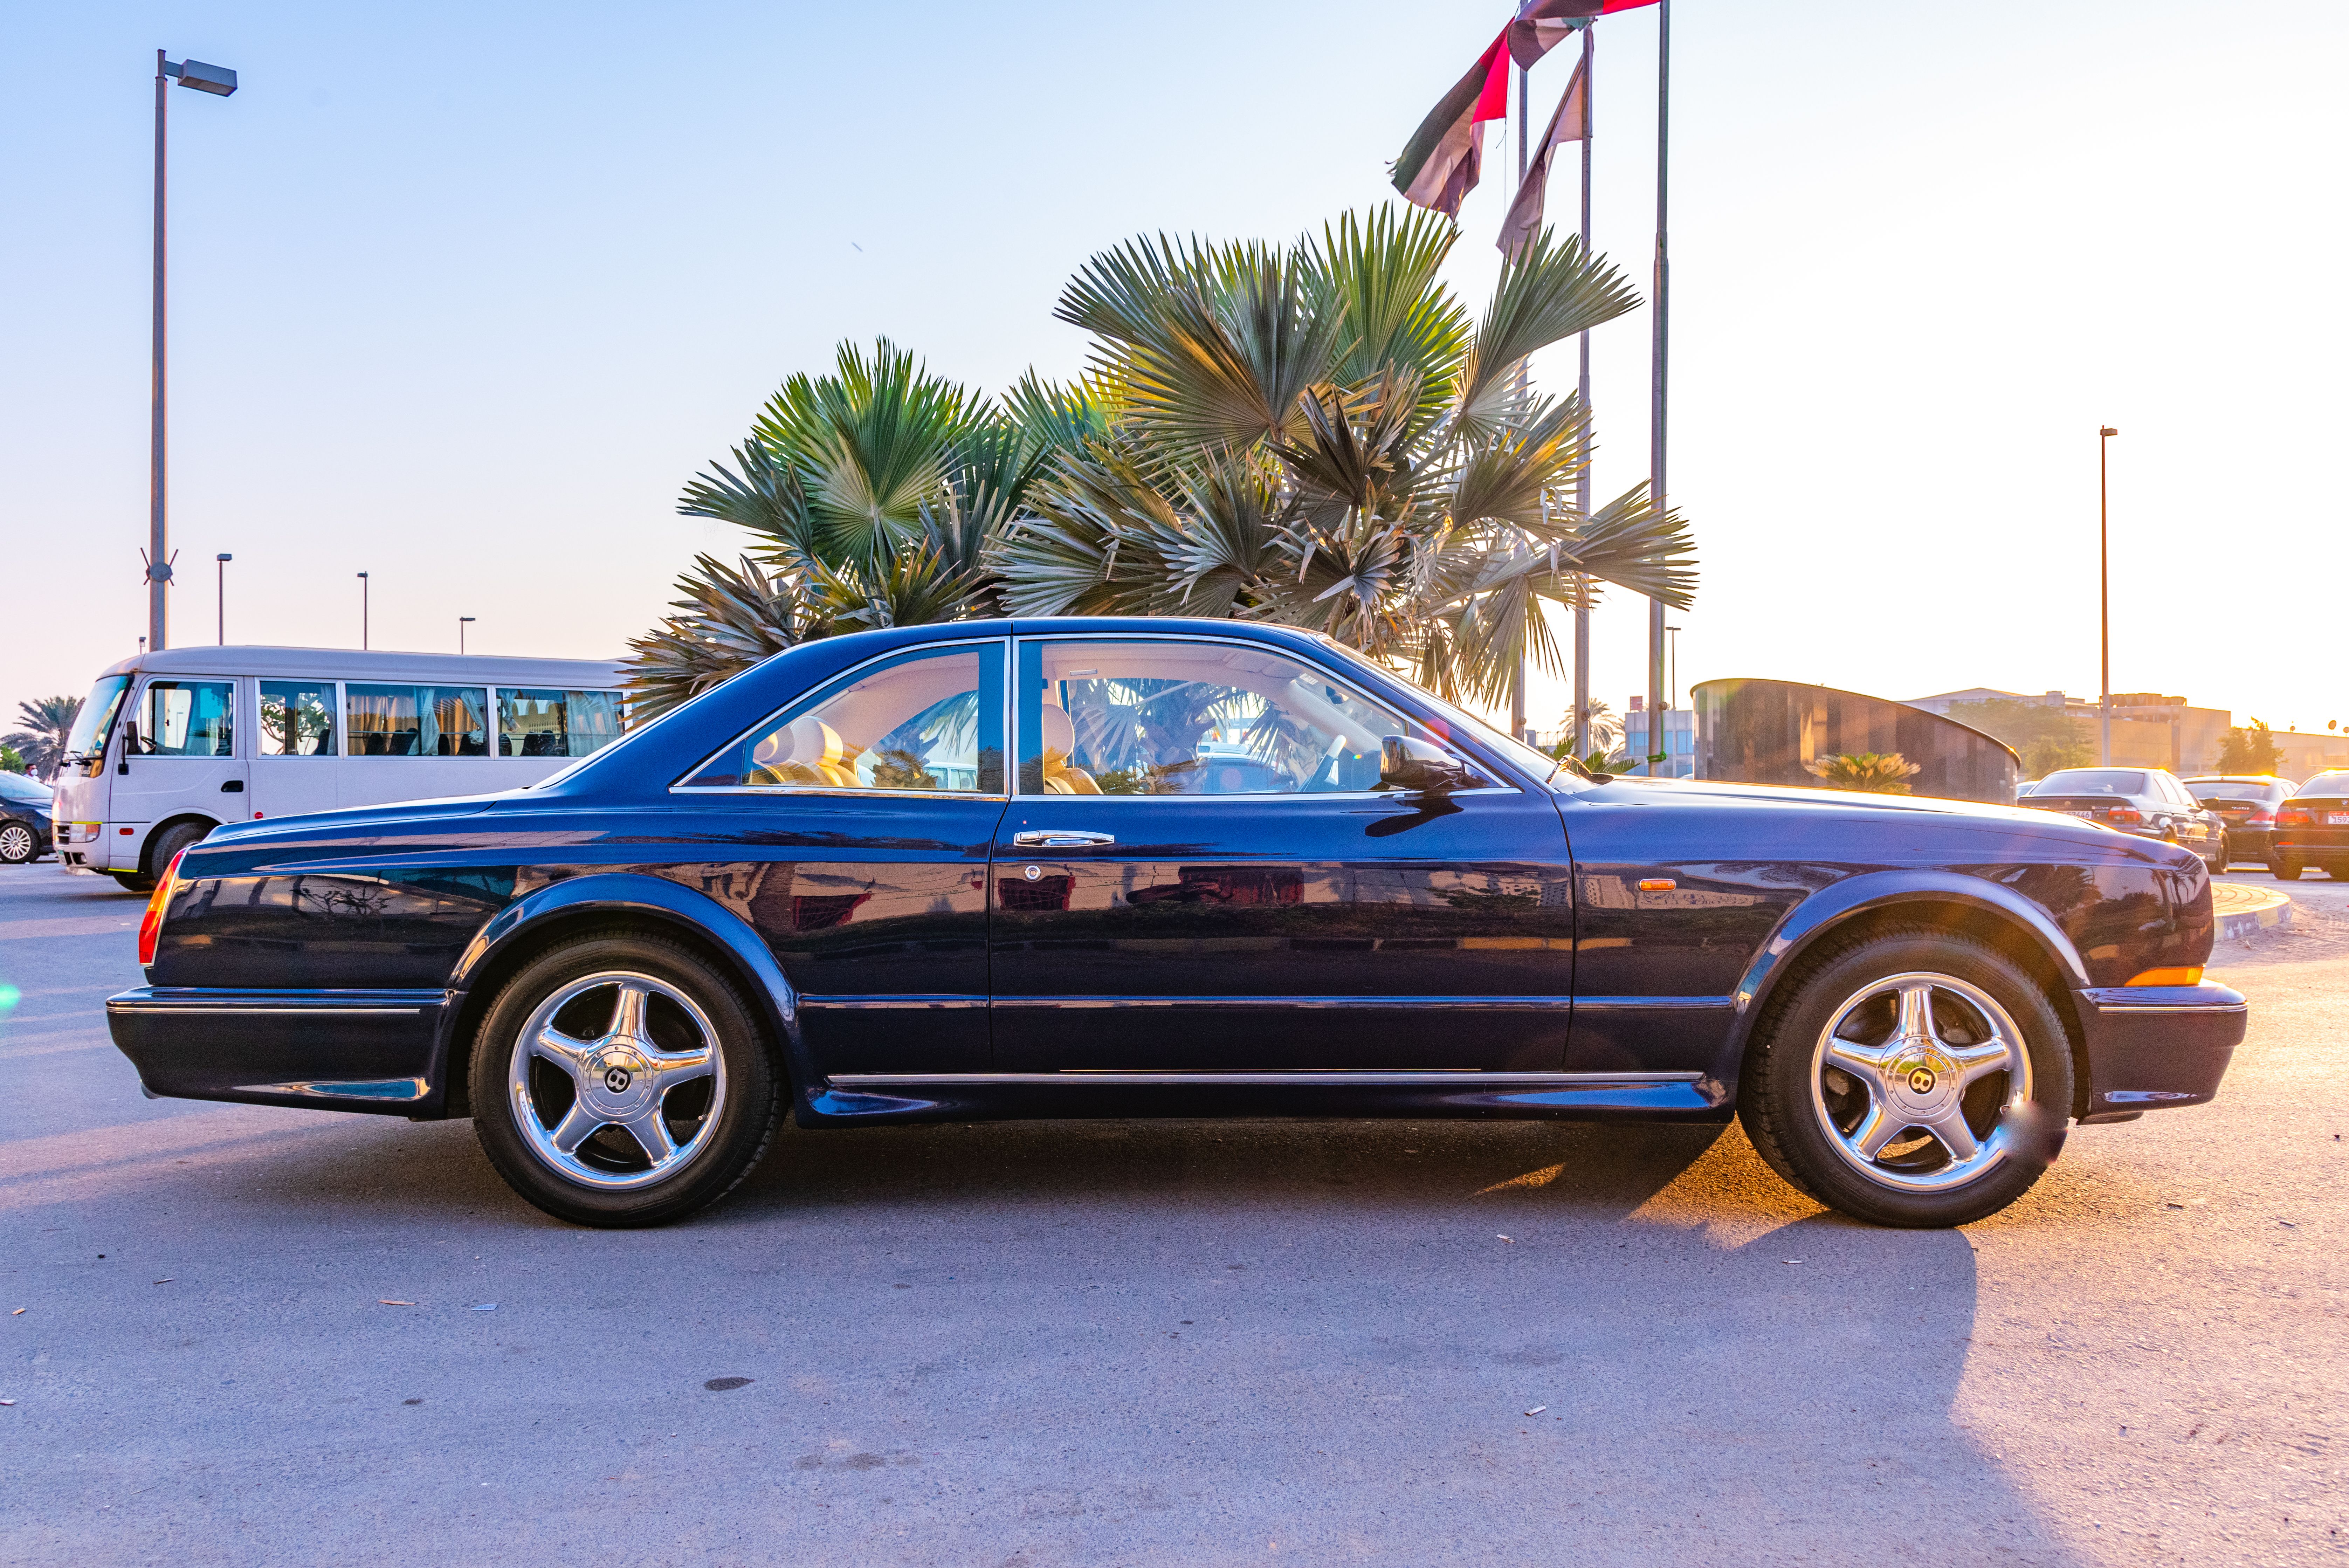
{"x":2151,"y":1047}
{"x":2304,"y":844}
{"x":329,"y":1050}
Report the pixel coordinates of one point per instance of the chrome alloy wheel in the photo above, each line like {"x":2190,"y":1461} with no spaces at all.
{"x":618,"y":1081}
{"x":16,"y":843}
{"x":1913,"y":1078}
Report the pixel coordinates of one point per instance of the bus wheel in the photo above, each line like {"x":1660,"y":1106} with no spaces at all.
{"x":161,"y":850}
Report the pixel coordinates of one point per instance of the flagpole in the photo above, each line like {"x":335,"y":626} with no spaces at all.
{"x":1582,"y":480}
{"x":1657,"y":734}
{"x":1524,"y":124}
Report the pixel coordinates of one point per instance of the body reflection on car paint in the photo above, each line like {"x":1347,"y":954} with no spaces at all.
{"x":1237,"y":871}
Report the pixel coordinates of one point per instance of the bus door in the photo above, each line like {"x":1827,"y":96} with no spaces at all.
{"x":298,"y":747}
{"x":178,"y":756}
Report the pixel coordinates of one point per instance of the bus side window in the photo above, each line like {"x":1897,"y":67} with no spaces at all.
{"x":297,"y":719}
{"x":543,"y":724}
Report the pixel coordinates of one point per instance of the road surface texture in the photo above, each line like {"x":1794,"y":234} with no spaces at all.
{"x":268,"y":1336}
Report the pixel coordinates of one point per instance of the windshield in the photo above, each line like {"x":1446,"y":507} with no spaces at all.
{"x":18,"y":787}
{"x":2333,"y":782}
{"x":1539,"y":764}
{"x":95,"y":718}
{"x":2093,"y":780}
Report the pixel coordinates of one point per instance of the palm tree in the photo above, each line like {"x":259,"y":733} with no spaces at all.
{"x":1317,"y":435}
{"x":1320,"y":436}
{"x":47,"y":721}
{"x":1875,"y":772}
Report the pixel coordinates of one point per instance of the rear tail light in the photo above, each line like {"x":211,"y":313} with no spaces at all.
{"x":2188,"y":975}
{"x":2124,"y":816}
{"x":2259,"y":819}
{"x":150,"y":927}
{"x":2289,"y":817}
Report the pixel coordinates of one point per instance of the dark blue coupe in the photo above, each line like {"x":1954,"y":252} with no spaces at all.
{"x":1166,"y":867}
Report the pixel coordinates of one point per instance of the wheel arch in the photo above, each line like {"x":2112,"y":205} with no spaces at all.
{"x":147,"y":867}
{"x":540,"y":920}
{"x":1969,"y":906}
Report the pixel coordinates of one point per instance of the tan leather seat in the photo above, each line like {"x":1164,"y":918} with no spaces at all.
{"x":1061,"y":776}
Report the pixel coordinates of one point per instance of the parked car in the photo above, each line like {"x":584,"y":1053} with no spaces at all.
{"x":2148,"y":803}
{"x":2247,"y":805}
{"x":1088,"y":867}
{"x":2313,"y":828}
{"x":24,"y":833}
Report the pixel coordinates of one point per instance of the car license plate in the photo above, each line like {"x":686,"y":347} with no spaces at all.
{"x":2337,"y":819}
{"x":2087,"y":813}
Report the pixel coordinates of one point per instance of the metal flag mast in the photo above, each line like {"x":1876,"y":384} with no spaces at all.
{"x":1658,"y":736}
{"x":1582,"y":387}
{"x":1524,"y":127}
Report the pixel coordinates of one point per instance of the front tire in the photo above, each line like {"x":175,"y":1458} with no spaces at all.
{"x":161,"y":851}
{"x":1911,"y":1078}
{"x":620,"y":1079}
{"x":17,"y":844}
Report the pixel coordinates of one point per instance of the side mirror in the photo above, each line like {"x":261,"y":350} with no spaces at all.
{"x":1419,"y":765}
{"x":129,"y":744}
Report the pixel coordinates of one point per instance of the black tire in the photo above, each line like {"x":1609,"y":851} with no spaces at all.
{"x":159,"y":852}
{"x":2285,"y":870}
{"x":18,"y":842}
{"x":610,"y":1177}
{"x":1806,"y":1127}
{"x":2338,"y":871}
{"x":2226,"y":856}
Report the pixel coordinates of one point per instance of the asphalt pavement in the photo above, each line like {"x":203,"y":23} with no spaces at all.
{"x":247,"y":1335}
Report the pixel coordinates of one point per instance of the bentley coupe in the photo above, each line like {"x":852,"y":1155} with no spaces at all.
{"x":1160,"y":867}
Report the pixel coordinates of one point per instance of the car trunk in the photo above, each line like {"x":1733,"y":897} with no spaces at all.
{"x":2095,"y":807}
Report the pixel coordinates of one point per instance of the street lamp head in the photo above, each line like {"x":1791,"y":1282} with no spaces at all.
{"x":218,"y":80}
{"x":362,"y":574}
{"x":2107,"y":430}
{"x":223,"y":555}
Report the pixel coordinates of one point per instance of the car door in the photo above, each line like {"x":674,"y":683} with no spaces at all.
{"x":178,"y":754}
{"x":860,"y":817}
{"x":1199,"y":871}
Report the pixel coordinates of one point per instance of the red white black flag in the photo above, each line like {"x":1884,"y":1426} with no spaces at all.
{"x":1570,"y":123}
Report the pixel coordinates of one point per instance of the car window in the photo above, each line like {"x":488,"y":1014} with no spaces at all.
{"x":1177,"y":717}
{"x":297,"y":719}
{"x":2093,"y":780}
{"x":920,"y":721}
{"x":2333,"y":783}
{"x":187,"y":719}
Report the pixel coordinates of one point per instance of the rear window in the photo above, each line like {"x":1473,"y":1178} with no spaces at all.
{"x":2095,"y":780}
{"x":2333,"y":782}
{"x":2238,"y":789}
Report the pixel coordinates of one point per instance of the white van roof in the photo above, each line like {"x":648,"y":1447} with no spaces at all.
{"x":378,"y":664}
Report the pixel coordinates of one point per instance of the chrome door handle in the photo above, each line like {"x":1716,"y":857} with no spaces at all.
{"x":1061,"y":838}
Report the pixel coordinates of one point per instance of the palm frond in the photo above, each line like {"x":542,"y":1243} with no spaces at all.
{"x":1551,"y":292}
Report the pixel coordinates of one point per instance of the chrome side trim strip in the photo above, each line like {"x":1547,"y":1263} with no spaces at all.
{"x":1464,"y":1077}
{"x":178,"y":1011}
{"x":1651,"y":1003}
{"x":1302,"y":1003}
{"x":2167,"y":1007}
{"x":889,"y":1004}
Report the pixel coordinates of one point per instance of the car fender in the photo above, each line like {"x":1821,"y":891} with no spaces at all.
{"x":623,"y":893}
{"x":1816,"y":916}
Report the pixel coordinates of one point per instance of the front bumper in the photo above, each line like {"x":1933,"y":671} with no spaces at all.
{"x":2151,"y":1047}
{"x":329,"y":1050}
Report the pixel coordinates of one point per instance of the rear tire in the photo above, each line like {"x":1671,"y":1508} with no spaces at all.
{"x":1902,"y":1111}
{"x":2285,"y":870}
{"x":620,"y":1079}
{"x":17,"y":844}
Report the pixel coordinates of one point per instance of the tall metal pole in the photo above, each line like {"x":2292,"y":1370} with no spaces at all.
{"x":363,"y":585}
{"x":1657,"y":733}
{"x":1582,"y":480}
{"x":158,"y":562}
{"x":2104,"y":602}
{"x":1524,"y":124}
{"x":220,"y":592}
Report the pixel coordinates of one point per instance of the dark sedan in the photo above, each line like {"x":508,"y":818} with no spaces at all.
{"x":1166,"y":868}
{"x":2149,"y":802}
{"x":24,"y":805}
{"x":2247,"y":806}
{"x":2313,"y":828}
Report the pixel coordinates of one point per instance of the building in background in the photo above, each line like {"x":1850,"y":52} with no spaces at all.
{"x":1763,"y":732}
{"x":2301,"y":754}
{"x":2149,"y":730}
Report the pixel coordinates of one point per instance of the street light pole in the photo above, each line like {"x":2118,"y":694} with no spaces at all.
{"x":220,"y":81}
{"x":220,"y":592}
{"x":462,"y":622}
{"x":2105,"y":435}
{"x":1672,"y":684}
{"x":363,"y":585}
{"x":1658,"y":744}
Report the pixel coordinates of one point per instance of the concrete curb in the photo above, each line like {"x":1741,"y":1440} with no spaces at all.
{"x":2244,"y":912}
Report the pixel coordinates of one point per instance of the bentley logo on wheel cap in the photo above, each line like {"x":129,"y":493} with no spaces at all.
{"x":1921,"y":1080}
{"x":616,"y":1079}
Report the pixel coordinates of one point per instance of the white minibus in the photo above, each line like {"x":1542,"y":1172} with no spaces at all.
{"x":169,"y":745}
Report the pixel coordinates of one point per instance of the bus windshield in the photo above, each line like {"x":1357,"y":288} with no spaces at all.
{"x":95,"y":718}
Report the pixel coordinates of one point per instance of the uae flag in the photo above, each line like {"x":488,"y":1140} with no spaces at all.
{"x":1570,"y":123}
{"x":1444,"y":158}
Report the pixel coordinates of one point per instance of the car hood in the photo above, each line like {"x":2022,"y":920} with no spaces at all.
{"x":1881,"y":813}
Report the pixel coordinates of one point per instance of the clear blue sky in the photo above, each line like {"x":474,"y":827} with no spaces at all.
{"x":463,"y":295}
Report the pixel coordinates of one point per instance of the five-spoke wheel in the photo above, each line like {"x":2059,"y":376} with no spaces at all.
{"x":622,"y":1079}
{"x":1908,"y":1078}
